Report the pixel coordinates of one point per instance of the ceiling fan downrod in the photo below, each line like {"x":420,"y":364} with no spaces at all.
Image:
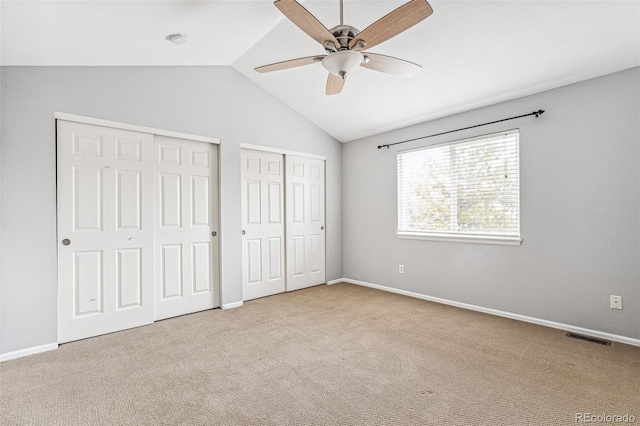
{"x":344,"y":34}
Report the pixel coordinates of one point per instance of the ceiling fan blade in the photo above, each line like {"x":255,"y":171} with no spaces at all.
{"x":290,"y":64}
{"x":308,"y":23}
{"x":335,"y":83}
{"x":401,"y":19}
{"x":391,"y":65}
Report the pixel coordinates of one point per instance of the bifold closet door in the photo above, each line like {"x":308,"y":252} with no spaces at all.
{"x":105,"y":230}
{"x":262,"y":224}
{"x":186,"y":226}
{"x":305,"y":222}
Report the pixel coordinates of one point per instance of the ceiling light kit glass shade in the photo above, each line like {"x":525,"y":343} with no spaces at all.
{"x":343,"y":62}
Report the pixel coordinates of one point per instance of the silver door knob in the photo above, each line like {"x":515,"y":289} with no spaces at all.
{"x":214,"y":233}
{"x":322,"y":228}
{"x":66,"y":242}
{"x":243,"y":232}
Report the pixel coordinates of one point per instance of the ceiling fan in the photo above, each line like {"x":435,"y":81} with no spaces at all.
{"x":345,"y":43}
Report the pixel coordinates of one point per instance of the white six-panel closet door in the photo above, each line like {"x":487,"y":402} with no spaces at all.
{"x":137,"y":228}
{"x":105,"y":230}
{"x":305,"y":222}
{"x":262,"y":224}
{"x":186,"y":233}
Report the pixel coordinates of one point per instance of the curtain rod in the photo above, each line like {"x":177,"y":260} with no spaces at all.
{"x":536,"y":113}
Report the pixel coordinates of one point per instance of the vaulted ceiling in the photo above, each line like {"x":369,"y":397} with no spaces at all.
{"x":473,"y":53}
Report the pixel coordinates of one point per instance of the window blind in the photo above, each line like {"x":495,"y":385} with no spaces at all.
{"x":469,"y":187}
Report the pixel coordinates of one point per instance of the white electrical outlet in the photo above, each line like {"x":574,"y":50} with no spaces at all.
{"x":401,"y":269}
{"x":615,"y":302}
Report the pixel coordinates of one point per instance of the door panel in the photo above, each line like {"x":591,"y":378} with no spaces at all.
{"x":128,"y":149}
{"x":305,"y":222}
{"x":201,"y":267}
{"x":275,"y":202}
{"x":129,"y":199}
{"x":105,"y":278}
{"x":315,"y":203}
{"x":171,"y":276}
{"x":254,"y":206}
{"x":186,"y":218}
{"x":254,"y":250}
{"x":275,"y":258}
{"x":298,"y":255}
{"x":88,"y":283}
{"x":87,"y":197}
{"x":170,"y":200}
{"x":314,"y":258}
{"x":298,"y":202}
{"x":129,"y":270}
{"x":200,"y":201}
{"x":262,"y":224}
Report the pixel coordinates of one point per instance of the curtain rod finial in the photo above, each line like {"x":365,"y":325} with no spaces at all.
{"x":539,"y":112}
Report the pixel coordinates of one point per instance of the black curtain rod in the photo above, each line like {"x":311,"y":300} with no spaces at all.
{"x":536,"y":113}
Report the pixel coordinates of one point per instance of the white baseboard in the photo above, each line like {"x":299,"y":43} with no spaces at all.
{"x":232,"y":305}
{"x":28,"y":351}
{"x":595,"y":333}
{"x":552,"y":324}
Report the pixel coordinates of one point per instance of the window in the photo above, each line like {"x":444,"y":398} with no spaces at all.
{"x":467,"y":190}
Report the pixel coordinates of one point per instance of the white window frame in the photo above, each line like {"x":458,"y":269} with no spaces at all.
{"x":460,"y":238}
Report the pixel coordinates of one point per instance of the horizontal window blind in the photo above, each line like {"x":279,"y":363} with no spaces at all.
{"x":470,"y":187}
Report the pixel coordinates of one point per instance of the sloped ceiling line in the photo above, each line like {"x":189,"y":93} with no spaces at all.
{"x":473,"y":53}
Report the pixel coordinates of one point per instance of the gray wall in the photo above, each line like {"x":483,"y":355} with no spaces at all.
{"x":208,"y":101}
{"x":580,"y":211}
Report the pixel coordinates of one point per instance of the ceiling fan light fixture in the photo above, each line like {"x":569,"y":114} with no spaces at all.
{"x":342,"y":62}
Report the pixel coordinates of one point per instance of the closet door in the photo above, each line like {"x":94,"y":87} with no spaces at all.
{"x":105,"y":230}
{"x":186,"y":226}
{"x":262,"y":224}
{"x":305,"y":222}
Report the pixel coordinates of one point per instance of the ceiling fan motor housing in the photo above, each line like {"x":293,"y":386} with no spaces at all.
{"x":344,"y":34}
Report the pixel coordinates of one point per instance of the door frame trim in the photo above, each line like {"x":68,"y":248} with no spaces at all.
{"x":281,"y":151}
{"x":133,"y":127}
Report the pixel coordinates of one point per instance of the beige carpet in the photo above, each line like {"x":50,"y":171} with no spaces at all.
{"x":328,"y":355}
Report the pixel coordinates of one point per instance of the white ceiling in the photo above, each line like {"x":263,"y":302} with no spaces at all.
{"x":474,"y":53}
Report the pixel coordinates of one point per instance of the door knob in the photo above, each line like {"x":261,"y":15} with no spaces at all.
{"x":322,"y":228}
{"x":66,"y":242}
{"x":214,"y":233}
{"x":243,"y":232}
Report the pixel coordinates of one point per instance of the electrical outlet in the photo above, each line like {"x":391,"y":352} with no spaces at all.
{"x":615,"y":302}
{"x":401,"y":269}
